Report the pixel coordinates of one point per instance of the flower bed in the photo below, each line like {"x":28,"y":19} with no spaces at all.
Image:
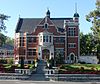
{"x":8,"y":68}
{"x":79,"y":69}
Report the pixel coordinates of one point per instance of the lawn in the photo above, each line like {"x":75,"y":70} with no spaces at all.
{"x":79,"y":68}
{"x":10,"y":68}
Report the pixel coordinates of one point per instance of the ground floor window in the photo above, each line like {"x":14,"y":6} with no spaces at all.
{"x":60,"y":51}
{"x":31,"y":52}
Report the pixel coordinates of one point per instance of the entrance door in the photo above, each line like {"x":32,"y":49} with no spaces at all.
{"x":72,"y":58}
{"x":45,"y":54}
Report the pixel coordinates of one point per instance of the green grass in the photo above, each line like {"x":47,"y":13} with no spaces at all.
{"x":79,"y":66}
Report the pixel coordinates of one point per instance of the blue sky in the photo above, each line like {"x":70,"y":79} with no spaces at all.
{"x":37,"y":9}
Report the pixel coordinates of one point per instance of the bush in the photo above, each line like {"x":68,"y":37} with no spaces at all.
{"x":3,"y":61}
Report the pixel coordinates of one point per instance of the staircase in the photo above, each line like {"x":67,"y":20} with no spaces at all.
{"x":39,"y":75}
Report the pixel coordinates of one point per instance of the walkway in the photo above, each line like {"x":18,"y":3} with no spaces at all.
{"x":40,"y":72}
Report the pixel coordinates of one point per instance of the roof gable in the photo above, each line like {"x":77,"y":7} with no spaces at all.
{"x":29,"y":24}
{"x":46,"y":20}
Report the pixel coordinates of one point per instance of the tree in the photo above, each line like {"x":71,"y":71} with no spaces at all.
{"x":2,"y":39}
{"x":94,"y":18}
{"x":10,"y":41}
{"x":5,"y":40}
{"x":86,"y":44}
{"x":2,"y":19}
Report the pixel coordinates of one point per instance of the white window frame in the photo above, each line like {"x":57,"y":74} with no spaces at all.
{"x":71,"y":45}
{"x":71,"y":31}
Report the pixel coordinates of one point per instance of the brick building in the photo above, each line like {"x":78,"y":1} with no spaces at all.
{"x":43,"y":38}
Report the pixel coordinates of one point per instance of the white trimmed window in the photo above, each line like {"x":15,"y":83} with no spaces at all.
{"x":71,"y":31}
{"x":21,"y":42}
{"x":71,"y":45}
{"x":45,"y":25}
{"x":31,"y":52}
{"x":45,"y":38}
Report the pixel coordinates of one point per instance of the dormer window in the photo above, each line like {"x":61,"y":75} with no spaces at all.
{"x":46,"y":26}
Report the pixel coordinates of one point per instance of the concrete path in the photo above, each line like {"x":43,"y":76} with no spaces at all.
{"x":42,"y":82}
{"x":40,"y":72}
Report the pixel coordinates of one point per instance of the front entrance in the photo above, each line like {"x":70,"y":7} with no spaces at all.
{"x":72,"y":58}
{"x":45,"y":54}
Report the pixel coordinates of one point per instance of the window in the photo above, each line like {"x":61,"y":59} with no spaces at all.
{"x":45,"y":38}
{"x":34,"y":39}
{"x":31,"y":52}
{"x":50,"y":38}
{"x":56,"y":39}
{"x":40,"y":38}
{"x":59,"y":51}
{"x":59,"y":39}
{"x":71,"y":45}
{"x":45,"y":25}
{"x":31,"y":39}
{"x":62,"y":40}
{"x":21,"y":41}
{"x":71,"y":31}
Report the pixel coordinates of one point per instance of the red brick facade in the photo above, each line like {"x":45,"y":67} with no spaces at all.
{"x":44,"y":38}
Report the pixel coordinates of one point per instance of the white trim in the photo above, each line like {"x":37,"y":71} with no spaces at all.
{"x":71,"y":54}
{"x":73,"y":36}
{"x":72,"y":23}
{"x":78,"y":43}
{"x":59,"y":48}
{"x":43,"y":25}
{"x":31,"y":48}
{"x":32,"y":36}
{"x":59,"y":43}
{"x":59,"y":36}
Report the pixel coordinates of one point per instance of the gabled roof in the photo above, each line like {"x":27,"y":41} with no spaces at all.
{"x":28,"y":24}
{"x":7,"y":47}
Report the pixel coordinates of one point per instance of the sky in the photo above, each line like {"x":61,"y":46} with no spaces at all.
{"x":38,"y":8}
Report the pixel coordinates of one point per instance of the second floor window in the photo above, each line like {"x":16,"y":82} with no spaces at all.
{"x":31,"y":39}
{"x":45,"y":38}
{"x":21,"y":43}
{"x":59,"y":39}
{"x":71,"y":31}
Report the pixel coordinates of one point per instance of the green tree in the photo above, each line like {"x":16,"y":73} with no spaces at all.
{"x":2,"y":39}
{"x":94,"y":18}
{"x":10,"y":41}
{"x":86,"y":44}
{"x":6,"y":40}
{"x":2,"y":27}
{"x":2,"y":23}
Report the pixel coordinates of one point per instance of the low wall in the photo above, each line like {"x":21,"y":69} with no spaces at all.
{"x":13,"y":76}
{"x":88,"y":59}
{"x":24,"y":71}
{"x":75,"y":77}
